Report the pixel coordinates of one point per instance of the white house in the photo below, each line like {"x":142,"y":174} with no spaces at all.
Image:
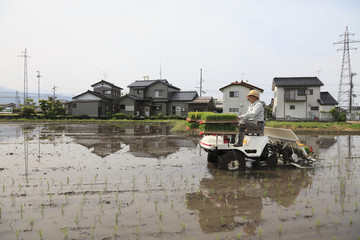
{"x":299,"y":98}
{"x":234,"y":97}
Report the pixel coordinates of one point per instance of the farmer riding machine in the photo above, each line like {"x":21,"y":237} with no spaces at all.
{"x":266,"y":146}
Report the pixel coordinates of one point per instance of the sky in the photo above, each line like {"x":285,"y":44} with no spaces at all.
{"x":76,"y":43}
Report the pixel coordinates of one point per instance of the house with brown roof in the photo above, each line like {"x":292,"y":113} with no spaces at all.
{"x":202,"y":104}
{"x":234,"y":97}
{"x":97,"y":103}
{"x":299,"y":98}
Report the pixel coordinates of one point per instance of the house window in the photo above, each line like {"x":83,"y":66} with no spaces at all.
{"x":233,"y":109}
{"x":301,"y":92}
{"x":138,"y":91}
{"x":122,"y":106}
{"x":107,"y":92}
{"x":234,"y":94}
{"x":158,"y":93}
{"x":315,"y":108}
{"x":289,"y":94}
{"x":310,"y":91}
{"x":74,"y":105}
{"x":292,"y":107}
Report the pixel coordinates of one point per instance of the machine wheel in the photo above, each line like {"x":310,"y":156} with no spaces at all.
{"x":212,"y":157}
{"x":272,"y":161}
{"x":232,"y":160}
{"x":269,"y":155}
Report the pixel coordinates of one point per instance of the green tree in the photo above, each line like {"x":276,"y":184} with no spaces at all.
{"x":337,"y":115}
{"x":51,"y":107}
{"x":28,"y":110}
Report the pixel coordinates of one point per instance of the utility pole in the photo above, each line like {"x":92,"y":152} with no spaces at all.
{"x":17,"y":99}
{"x":38,"y":76}
{"x":345,"y":86}
{"x":25,"y":56}
{"x":200,"y":81}
{"x":54,"y":89}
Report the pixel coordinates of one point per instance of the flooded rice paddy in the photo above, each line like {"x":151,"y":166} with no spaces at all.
{"x":93,"y":181}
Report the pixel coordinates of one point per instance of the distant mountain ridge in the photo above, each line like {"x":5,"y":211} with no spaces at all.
{"x":8,"y":95}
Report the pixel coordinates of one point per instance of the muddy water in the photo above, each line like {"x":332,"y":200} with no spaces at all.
{"x":142,"y":182}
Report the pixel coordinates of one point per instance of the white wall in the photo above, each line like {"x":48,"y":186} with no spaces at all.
{"x":240,"y":102}
{"x":88,"y":96}
{"x":281,"y":109}
{"x":326,"y":116}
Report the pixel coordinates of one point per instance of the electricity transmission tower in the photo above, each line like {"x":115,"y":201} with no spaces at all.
{"x":26,"y":89}
{"x":345,"y":95}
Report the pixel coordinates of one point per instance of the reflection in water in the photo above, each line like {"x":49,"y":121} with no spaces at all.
{"x":152,"y":141}
{"x":227,"y":200}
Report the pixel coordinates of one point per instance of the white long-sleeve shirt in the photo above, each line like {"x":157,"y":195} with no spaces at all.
{"x":255,"y":112}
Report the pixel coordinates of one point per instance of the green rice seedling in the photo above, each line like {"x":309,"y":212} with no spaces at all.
{"x":115,"y":229}
{"x":160,"y":215}
{"x":238,"y":236}
{"x":21,"y":210}
{"x":101,"y":207}
{"x":40,"y":234}
{"x":67,"y":198}
{"x":3,"y":187}
{"x":19,"y":187}
{"x":99,"y":193}
{"x":356,"y":206}
{"x":243,"y":218}
{"x":313,"y":211}
{"x":280,"y":229}
{"x":12,"y":202}
{"x":260,"y":233}
{"x":265,"y":193}
{"x":48,"y":186}
{"x":222,"y":220}
{"x":119,"y":207}
{"x":64,"y":231}
{"x":41,"y":180}
{"x":342,"y":207}
{"x":17,"y":233}
{"x":42,"y":209}
{"x":67,"y":180}
{"x":77,"y":219}
{"x":31,"y":222}
{"x":50,"y":199}
{"x":183,"y":226}
{"x":351,"y":220}
{"x":161,"y":227}
{"x":318,"y":224}
{"x":116,"y":218}
{"x":116,"y":196}
{"x":172,"y":205}
{"x":12,"y":181}
{"x":156,"y":203}
{"x":62,"y":209}
{"x":137,"y":231}
{"x":297,"y":213}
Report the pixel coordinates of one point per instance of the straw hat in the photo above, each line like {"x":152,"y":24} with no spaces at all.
{"x":253,"y":93}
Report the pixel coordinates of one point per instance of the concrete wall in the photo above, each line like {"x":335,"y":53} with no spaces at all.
{"x":302,"y":111}
{"x":240,"y":102}
{"x":184,"y":106}
{"x":150,"y":91}
{"x":85,"y":108}
{"x":324,"y":112}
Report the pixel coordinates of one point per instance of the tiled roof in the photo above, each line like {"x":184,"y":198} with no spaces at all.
{"x":108,"y":83}
{"x":205,"y":99}
{"x":296,"y":82}
{"x":242,"y":83}
{"x":146,"y":83}
{"x":183,"y":96}
{"x":327,"y":99}
{"x":130,"y":96}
